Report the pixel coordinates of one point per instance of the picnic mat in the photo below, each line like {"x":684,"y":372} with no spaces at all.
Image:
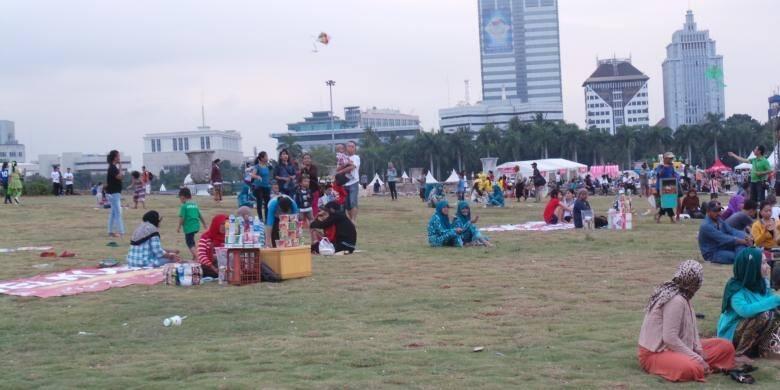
{"x":77,"y":281}
{"x":25,"y":249}
{"x":539,"y":226}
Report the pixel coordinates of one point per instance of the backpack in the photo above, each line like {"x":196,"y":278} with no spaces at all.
{"x":267,"y":274}
{"x":539,"y":181}
{"x":600,"y":222}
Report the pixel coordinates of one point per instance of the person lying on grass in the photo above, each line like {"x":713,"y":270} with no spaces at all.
{"x":463,"y":220}
{"x":208,"y":243}
{"x":337,"y":227}
{"x":750,"y":311}
{"x":145,"y":247}
{"x":440,"y":230}
{"x":669,"y":343}
{"x":553,"y":212}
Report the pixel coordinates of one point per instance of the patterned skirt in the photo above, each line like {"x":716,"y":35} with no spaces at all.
{"x":139,"y":193}
{"x":759,"y":336}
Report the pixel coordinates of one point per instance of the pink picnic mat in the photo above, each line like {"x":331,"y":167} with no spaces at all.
{"x":77,"y":281}
{"x":539,"y":226}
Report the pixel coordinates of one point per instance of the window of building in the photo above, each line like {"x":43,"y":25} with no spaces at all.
{"x":175,"y":146}
{"x":159,"y":145}
{"x":12,"y":154}
{"x":2,"y":154}
{"x":20,"y":154}
{"x":181,"y":143}
{"x":186,"y":144}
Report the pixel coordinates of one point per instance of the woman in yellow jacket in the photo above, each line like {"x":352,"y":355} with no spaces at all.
{"x":765,"y":229}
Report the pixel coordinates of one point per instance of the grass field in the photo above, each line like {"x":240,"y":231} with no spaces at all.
{"x":553,"y":310}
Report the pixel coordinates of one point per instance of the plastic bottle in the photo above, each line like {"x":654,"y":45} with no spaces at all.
{"x":256,"y":230}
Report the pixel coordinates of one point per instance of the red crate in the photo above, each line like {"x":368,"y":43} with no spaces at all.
{"x":243,"y":266}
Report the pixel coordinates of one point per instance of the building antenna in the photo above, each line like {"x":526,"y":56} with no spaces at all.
{"x":466,"y":83}
{"x":202,"y":110}
{"x":447,"y":79}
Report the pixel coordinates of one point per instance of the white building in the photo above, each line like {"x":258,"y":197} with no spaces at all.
{"x":163,"y":151}
{"x":93,"y":163}
{"x":693,"y":77}
{"x":10,"y":148}
{"x":521,"y":66}
{"x":616,"y":95}
{"x":316,"y":130}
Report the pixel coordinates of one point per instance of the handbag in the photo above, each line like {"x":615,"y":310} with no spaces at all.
{"x":326,"y":248}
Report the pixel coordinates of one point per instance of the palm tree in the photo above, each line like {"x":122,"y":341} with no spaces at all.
{"x":713,"y":127}
{"x":488,"y":139}
{"x":459,"y":141}
{"x":290,"y":142}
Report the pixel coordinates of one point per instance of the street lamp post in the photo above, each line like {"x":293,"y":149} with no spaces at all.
{"x":330,"y":84}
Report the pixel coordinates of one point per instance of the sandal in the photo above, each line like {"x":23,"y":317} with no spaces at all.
{"x":67,"y":254}
{"x":48,"y":254}
{"x":741,"y":377}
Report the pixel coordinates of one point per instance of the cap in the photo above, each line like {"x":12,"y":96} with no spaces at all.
{"x":668,"y":155}
{"x":714,"y":205}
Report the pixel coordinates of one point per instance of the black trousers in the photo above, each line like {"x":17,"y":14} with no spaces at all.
{"x":263,"y":196}
{"x":757,"y":191}
{"x":69,"y":189}
{"x":393,"y":192}
{"x":56,"y":189}
{"x":7,"y":195}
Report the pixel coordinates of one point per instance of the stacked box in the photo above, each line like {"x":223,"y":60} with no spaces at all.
{"x":290,"y":231}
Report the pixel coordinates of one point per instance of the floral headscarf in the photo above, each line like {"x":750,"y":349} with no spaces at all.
{"x":686,"y":282}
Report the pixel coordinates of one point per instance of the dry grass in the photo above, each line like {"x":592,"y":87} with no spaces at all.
{"x":553,"y":310}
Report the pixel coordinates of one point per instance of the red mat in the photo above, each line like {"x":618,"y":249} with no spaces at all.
{"x":77,"y":281}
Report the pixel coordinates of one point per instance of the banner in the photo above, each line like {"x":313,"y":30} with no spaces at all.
{"x":497,"y":31}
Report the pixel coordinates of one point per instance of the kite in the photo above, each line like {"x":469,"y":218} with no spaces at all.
{"x":715,"y":73}
{"x":322,"y":39}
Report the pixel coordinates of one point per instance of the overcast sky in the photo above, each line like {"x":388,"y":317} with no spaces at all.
{"x":90,"y":76}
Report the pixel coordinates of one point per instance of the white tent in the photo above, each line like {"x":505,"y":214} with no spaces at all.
{"x":162,"y":188}
{"x":376,"y":179}
{"x":430,"y":179}
{"x":405,"y":176}
{"x":454,"y":178}
{"x":545,"y":166}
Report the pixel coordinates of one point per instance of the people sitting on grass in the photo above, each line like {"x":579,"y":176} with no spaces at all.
{"x":750,"y":311}
{"x":580,"y":205}
{"x":470,"y":233}
{"x":568,"y":203}
{"x":735,"y":205}
{"x":209,"y":241}
{"x":440,"y":230}
{"x":245,"y":197}
{"x":145,"y":247}
{"x":496,"y":198}
{"x":280,"y":205}
{"x":435,"y":195}
{"x":669,"y":343}
{"x":764,"y":230}
{"x":719,"y":242}
{"x":553,"y":212}
{"x":691,"y":205}
{"x":743,"y":220}
{"x":336,"y":226}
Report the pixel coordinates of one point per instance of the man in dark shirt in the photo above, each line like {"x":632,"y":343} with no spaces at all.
{"x":744,"y":219}
{"x":580,"y":205}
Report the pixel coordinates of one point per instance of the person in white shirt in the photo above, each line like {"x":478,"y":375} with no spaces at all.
{"x":56,"y":181}
{"x":68,"y":177}
{"x":353,"y":186}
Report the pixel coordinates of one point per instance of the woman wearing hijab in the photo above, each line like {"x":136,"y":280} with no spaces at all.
{"x":440,"y":230}
{"x":15,"y":185}
{"x":208,"y":243}
{"x":750,"y":317}
{"x":669,"y":344}
{"x":497,"y":197}
{"x":471,"y":235}
{"x":735,"y":205}
{"x":338,"y":228}
{"x":145,"y":247}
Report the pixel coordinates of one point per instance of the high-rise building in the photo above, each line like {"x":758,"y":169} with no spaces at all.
{"x":774,"y":106}
{"x":166,"y":151}
{"x":616,"y":95}
{"x":521,"y":66}
{"x":10,"y":148}
{"x":693,"y":77}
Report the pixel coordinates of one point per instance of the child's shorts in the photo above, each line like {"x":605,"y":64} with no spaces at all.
{"x":189,"y":238}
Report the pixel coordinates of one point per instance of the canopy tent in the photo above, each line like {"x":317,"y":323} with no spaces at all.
{"x":718,"y":166}
{"x":405,"y":176}
{"x":430,"y":179}
{"x":601,"y":170}
{"x":454,"y":178}
{"x":631,"y":173}
{"x":376,"y":179}
{"x":745,"y":166}
{"x":162,"y":188}
{"x":545,"y":166}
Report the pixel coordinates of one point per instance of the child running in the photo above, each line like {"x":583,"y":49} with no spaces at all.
{"x":190,"y":219}
{"x":139,"y":190}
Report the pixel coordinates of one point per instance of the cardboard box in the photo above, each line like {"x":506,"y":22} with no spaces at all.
{"x":288,"y":263}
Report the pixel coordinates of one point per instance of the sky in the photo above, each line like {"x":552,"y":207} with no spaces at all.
{"x":90,"y":76}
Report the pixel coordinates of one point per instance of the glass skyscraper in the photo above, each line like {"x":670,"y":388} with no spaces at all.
{"x":520,"y":51}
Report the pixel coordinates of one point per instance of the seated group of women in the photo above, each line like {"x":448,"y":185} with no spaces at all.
{"x":460,"y":231}
{"x":749,"y":325}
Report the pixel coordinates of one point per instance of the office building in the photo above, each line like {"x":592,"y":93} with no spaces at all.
{"x":616,"y":95}
{"x":92,"y":163}
{"x":521,"y":66}
{"x":167,"y":150}
{"x":693,"y":77}
{"x":10,"y":148}
{"x":320,"y":129}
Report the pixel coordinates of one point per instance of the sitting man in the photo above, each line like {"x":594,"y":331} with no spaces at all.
{"x":718,"y":241}
{"x":744,"y":219}
{"x":580,"y":205}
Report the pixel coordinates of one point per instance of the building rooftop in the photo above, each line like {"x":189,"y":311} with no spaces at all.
{"x":615,"y":70}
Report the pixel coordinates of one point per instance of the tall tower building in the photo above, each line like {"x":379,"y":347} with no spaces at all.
{"x":693,"y":77}
{"x":616,"y":95}
{"x":520,"y":50}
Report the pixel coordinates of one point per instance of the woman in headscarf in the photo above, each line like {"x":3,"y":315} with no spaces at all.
{"x":208,"y":243}
{"x":338,"y":228}
{"x":440,"y":230}
{"x":735,"y":205}
{"x":750,"y":317}
{"x":497,"y":197}
{"x":15,"y":185}
{"x":145,"y":247}
{"x":470,"y":235}
{"x":669,"y":344}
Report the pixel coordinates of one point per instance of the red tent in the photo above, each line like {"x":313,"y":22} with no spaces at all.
{"x":719,"y":166}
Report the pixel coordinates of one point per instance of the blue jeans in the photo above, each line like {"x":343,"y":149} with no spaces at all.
{"x":115,"y":224}
{"x":726,"y":256}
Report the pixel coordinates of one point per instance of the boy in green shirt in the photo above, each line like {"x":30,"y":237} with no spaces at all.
{"x":190,"y":218}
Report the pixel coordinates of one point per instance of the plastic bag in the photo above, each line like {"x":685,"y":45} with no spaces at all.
{"x":326,"y":248}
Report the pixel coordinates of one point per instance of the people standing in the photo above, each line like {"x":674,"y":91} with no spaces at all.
{"x":462,"y":185}
{"x":15,"y":185}
{"x":421,"y":181}
{"x":216,"y":180}
{"x":139,"y":192}
{"x":539,"y":183}
{"x":392,"y":176}
{"x":309,"y":169}
{"x":759,"y":171}
{"x":56,"y":181}
{"x":68,"y":177}
{"x":285,"y":173}
{"x":644,"y":181}
{"x":520,"y":180}
{"x":666,"y":171}
{"x":5,"y":176}
{"x":352,"y":185}
{"x":116,"y":227}
{"x":146,"y":179}
{"x":261,"y":184}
